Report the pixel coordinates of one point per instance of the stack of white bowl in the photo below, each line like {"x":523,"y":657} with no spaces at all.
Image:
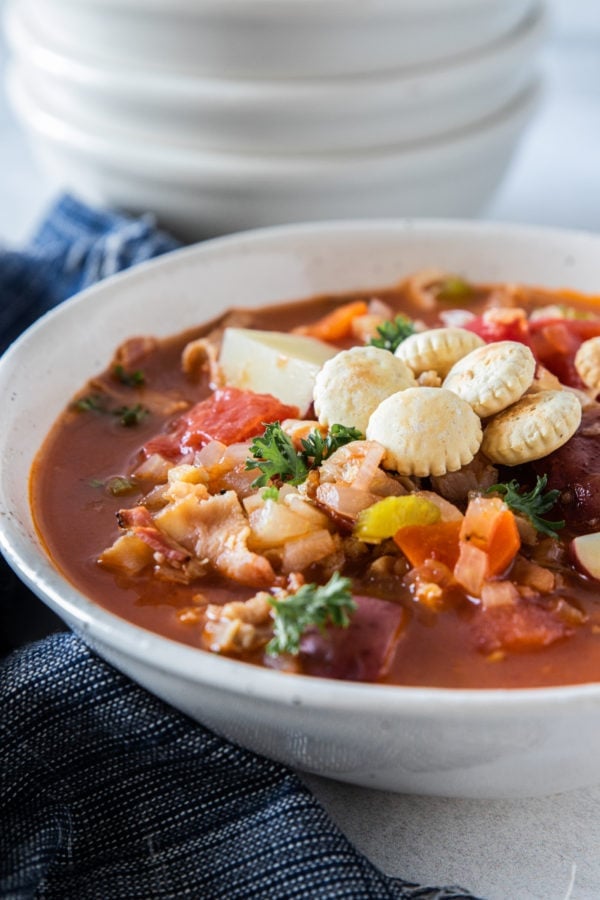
{"x":226,"y":114}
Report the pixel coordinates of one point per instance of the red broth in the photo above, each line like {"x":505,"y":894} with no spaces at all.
{"x":446,"y":643}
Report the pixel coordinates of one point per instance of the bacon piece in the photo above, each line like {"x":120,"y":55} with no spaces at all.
{"x":220,"y":535}
{"x":138,"y":521}
{"x":361,"y":652}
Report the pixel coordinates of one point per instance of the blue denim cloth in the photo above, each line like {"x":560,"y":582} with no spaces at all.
{"x":106,"y":793}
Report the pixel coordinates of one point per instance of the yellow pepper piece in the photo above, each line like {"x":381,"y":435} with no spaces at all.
{"x":384,"y":518}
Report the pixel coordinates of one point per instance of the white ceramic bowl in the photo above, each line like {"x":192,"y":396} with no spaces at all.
{"x":275,"y":37}
{"x":199,"y":194}
{"x":489,"y":743}
{"x":282,"y":115}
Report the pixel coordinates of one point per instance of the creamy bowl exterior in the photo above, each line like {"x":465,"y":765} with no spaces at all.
{"x":284,"y":115}
{"x":488,"y":743}
{"x":262,"y":38}
{"x":202,"y":194}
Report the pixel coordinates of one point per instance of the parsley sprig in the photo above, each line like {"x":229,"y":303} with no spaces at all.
{"x":532,"y":504}
{"x":312,"y":605}
{"x":135,"y":378}
{"x":128,"y":416}
{"x":317,"y":448}
{"x":392,"y":333}
{"x":131,"y":415}
{"x":276,"y":457}
{"x":278,"y":460}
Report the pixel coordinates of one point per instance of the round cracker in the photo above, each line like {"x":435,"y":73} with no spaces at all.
{"x":437,"y":348}
{"x":353,"y":383}
{"x":532,"y":428}
{"x":587,"y":363}
{"x":425,"y":431}
{"x":492,"y":377}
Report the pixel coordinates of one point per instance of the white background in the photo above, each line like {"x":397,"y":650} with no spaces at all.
{"x":546,"y":849}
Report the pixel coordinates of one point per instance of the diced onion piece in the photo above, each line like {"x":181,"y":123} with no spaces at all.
{"x":499,"y":593}
{"x":155,"y":468}
{"x":385,"y":518}
{"x":273,"y":524}
{"x":128,"y":555}
{"x":342,"y":500}
{"x":306,"y":510}
{"x":211,"y":454}
{"x":237,"y":453}
{"x":472,"y":568}
{"x":300,"y":553}
{"x":253,"y":501}
{"x":186,"y":473}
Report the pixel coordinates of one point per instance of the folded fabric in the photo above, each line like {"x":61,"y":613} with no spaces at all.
{"x":74,"y":247}
{"x":105,"y":792}
{"x":108,"y":793}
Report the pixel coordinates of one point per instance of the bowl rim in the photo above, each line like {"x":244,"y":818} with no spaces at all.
{"x":201,"y":667}
{"x":283,"y":6}
{"x":149,"y":84}
{"x":179,"y":163}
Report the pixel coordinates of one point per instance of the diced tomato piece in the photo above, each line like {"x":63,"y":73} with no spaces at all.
{"x":438,"y":541}
{"x":229,"y":415}
{"x":491,"y":329}
{"x":524,"y":626}
{"x":556,"y":341}
{"x":232,"y":415}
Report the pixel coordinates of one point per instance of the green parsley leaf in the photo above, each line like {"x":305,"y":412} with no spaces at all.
{"x":276,"y":457}
{"x":311,"y":605}
{"x":119,"y":485}
{"x":91,"y":403}
{"x":391,"y":334}
{"x":532,"y":504}
{"x":131,"y":415}
{"x":270,"y":493}
{"x":131,"y":379}
{"x":316,"y":448}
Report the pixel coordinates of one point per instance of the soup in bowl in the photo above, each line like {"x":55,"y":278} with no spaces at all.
{"x":354,"y":531}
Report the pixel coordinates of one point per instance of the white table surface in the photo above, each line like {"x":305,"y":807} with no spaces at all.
{"x":542,"y":849}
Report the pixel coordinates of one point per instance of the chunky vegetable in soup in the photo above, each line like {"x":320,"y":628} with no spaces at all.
{"x":398,"y":486}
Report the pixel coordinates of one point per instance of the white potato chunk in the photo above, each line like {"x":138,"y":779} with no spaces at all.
{"x":273,"y":362}
{"x":352,"y":384}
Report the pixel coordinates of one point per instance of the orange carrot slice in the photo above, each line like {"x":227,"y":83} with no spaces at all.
{"x":438,"y":541}
{"x":489,"y":541}
{"x":336,"y":325}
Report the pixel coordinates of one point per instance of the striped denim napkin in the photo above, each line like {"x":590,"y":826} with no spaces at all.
{"x":106,"y":793}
